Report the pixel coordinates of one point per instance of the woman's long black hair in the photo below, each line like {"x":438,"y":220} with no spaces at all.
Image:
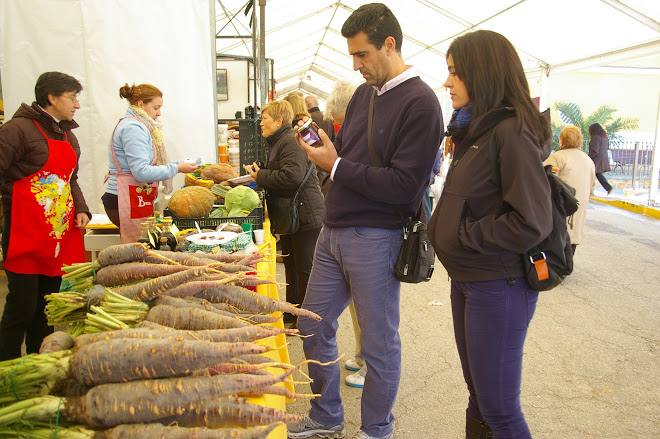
{"x":493,"y":74}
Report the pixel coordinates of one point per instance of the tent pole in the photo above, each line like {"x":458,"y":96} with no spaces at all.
{"x":543,"y":88}
{"x":263,"y":69}
{"x":655,"y":166}
{"x":255,"y":57}
{"x":636,"y":51}
{"x":214,"y":73}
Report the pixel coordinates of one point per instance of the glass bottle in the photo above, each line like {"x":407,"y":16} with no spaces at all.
{"x":154,"y":230}
{"x":167,"y":233}
{"x":144,"y":234}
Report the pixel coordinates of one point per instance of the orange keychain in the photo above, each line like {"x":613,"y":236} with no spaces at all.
{"x":541,"y":266}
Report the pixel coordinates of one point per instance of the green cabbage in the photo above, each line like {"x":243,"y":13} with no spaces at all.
{"x":239,"y":201}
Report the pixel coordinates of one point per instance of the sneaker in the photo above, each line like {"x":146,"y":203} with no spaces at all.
{"x":356,"y":379}
{"x":352,"y":364}
{"x":310,"y":428}
{"x":362,"y":435}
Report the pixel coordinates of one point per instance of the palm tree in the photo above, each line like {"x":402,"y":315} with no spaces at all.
{"x":571,"y":114}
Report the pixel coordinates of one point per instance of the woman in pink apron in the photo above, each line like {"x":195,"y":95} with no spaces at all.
{"x":44,"y":209}
{"x":138,"y":161}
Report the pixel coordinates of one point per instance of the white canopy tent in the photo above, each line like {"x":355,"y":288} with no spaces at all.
{"x":105,"y":43}
{"x":304,"y":37}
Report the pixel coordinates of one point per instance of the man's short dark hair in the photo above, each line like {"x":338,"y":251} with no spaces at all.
{"x":377,"y":21}
{"x":56,"y":84}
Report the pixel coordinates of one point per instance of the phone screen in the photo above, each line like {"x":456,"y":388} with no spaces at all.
{"x":311,"y":137}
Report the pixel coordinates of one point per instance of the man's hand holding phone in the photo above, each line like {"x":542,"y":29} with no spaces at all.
{"x":322,"y":155}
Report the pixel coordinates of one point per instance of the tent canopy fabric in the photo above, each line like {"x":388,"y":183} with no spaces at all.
{"x":82,"y":38}
{"x":304,"y":37}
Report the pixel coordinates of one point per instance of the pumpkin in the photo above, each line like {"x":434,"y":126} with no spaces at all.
{"x":191,"y":180}
{"x":191,"y":202}
{"x":218,"y":172}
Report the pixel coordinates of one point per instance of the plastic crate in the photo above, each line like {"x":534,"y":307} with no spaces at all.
{"x":256,"y":218}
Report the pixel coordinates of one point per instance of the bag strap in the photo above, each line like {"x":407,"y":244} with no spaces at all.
{"x":375,"y":159}
{"x":309,"y":172}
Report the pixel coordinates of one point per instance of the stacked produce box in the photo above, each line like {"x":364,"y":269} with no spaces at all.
{"x":163,"y":345}
{"x":212,"y":196}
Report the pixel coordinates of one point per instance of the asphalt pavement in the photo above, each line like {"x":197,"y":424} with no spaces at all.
{"x":591,"y":361}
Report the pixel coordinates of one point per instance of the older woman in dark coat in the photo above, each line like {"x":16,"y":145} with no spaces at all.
{"x":598,"y":147}
{"x":285,"y":170}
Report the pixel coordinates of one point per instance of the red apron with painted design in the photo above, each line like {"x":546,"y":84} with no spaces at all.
{"x":43,"y":234}
{"x":135,"y":200}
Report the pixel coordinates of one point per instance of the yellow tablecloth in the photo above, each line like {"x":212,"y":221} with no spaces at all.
{"x":267,"y":270}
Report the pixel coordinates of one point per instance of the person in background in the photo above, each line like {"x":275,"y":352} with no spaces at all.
{"x":44,"y":208}
{"x":482,"y":225}
{"x":317,"y":116}
{"x":598,"y":147}
{"x":285,"y":169}
{"x":577,"y":170}
{"x":335,"y":110}
{"x":335,"y":105}
{"x":366,"y":207}
{"x":427,"y":199}
{"x":138,"y":161}
{"x":299,"y":108}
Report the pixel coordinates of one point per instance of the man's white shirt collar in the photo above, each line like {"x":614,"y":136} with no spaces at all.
{"x":410,"y":72}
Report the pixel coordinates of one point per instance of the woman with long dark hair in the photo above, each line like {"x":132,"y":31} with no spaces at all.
{"x":495,"y":205}
{"x":598,"y":147}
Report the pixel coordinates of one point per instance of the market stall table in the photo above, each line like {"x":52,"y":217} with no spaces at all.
{"x":267,"y":269}
{"x":101,"y":235}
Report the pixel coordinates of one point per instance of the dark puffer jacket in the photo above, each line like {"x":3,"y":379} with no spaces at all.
{"x":481,"y":226}
{"x":23,"y":150}
{"x":286,"y":167}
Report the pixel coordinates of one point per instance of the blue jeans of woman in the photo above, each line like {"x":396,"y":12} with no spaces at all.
{"x":490,"y":324}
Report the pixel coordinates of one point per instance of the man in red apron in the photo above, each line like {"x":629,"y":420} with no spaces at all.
{"x":44,"y":208}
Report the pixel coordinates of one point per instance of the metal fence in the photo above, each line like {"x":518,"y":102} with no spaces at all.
{"x":631,"y":162}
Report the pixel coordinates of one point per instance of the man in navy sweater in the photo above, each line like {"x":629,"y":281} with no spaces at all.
{"x":366,"y":208}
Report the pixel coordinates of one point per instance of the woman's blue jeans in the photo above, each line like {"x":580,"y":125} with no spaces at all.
{"x":490,"y":324}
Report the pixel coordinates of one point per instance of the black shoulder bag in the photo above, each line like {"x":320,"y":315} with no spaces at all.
{"x":550,"y":261}
{"x":283,"y":212}
{"x":416,"y":257}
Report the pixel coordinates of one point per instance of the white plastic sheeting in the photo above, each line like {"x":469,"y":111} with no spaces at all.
{"x":105,"y":44}
{"x":304,"y":39}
